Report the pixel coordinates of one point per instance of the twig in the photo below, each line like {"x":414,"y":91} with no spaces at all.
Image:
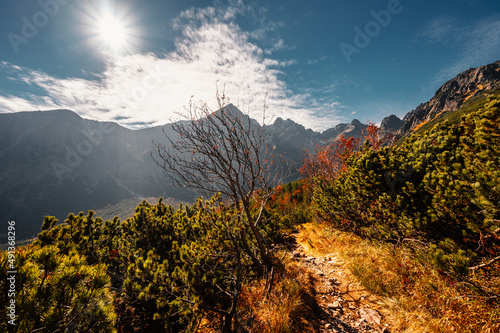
{"x":485,"y":264}
{"x":270,"y":283}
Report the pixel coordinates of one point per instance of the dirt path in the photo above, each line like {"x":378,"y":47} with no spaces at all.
{"x":344,"y":305}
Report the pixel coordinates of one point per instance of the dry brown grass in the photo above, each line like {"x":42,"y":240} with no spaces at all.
{"x":415,"y":296}
{"x":284,"y":308}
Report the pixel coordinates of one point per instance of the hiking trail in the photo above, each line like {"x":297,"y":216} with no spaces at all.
{"x":343,"y":304}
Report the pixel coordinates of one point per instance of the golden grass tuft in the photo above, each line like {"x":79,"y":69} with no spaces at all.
{"x":284,"y":308}
{"x":416,"y":297}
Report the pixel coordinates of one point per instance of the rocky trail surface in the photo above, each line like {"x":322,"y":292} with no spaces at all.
{"x":343,"y":304}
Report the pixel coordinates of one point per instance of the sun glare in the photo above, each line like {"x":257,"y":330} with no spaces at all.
{"x":112,"y":32}
{"x":111,"y":28}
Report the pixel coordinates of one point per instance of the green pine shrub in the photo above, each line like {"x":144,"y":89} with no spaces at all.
{"x":441,"y":187}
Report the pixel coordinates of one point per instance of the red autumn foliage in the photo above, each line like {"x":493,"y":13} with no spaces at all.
{"x":329,"y":160}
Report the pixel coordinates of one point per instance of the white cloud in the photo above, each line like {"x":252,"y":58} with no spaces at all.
{"x":15,"y":104}
{"x":149,"y":89}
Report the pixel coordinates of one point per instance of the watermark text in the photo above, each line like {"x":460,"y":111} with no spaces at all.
{"x":11,"y":272}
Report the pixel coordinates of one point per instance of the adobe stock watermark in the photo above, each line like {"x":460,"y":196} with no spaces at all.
{"x":30,"y":27}
{"x":363,"y":37}
{"x":11,"y":273}
{"x":95,"y":137}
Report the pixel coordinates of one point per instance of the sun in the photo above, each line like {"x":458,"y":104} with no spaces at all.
{"x":110,"y":27}
{"x":112,"y":32}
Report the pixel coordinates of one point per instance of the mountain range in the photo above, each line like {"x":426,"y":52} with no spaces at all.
{"x":55,"y":162}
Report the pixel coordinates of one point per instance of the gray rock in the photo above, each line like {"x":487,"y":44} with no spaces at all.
{"x":370,"y":315}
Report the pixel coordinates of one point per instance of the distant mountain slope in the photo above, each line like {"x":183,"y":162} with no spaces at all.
{"x":55,"y":162}
{"x":451,"y":95}
{"x":293,"y":139}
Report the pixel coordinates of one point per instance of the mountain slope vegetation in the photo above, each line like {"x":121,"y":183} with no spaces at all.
{"x":442,"y":187}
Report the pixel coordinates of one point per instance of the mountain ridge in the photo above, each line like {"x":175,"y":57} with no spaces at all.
{"x":452,"y":94}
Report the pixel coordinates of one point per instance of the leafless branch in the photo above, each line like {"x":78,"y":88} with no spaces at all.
{"x":485,"y":264}
{"x":224,"y":151}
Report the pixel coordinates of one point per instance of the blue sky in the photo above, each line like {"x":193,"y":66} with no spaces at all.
{"x":316,"y":62}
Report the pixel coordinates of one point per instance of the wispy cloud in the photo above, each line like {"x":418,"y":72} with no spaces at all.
{"x":481,"y":44}
{"x":437,"y":30}
{"x":476,"y":44}
{"x":150,"y":88}
{"x":11,"y":103}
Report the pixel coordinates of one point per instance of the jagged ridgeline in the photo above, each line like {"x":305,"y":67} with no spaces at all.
{"x":464,"y":89}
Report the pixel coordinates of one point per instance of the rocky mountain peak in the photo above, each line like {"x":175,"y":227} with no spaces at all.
{"x":451,"y":95}
{"x":391,"y":123}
